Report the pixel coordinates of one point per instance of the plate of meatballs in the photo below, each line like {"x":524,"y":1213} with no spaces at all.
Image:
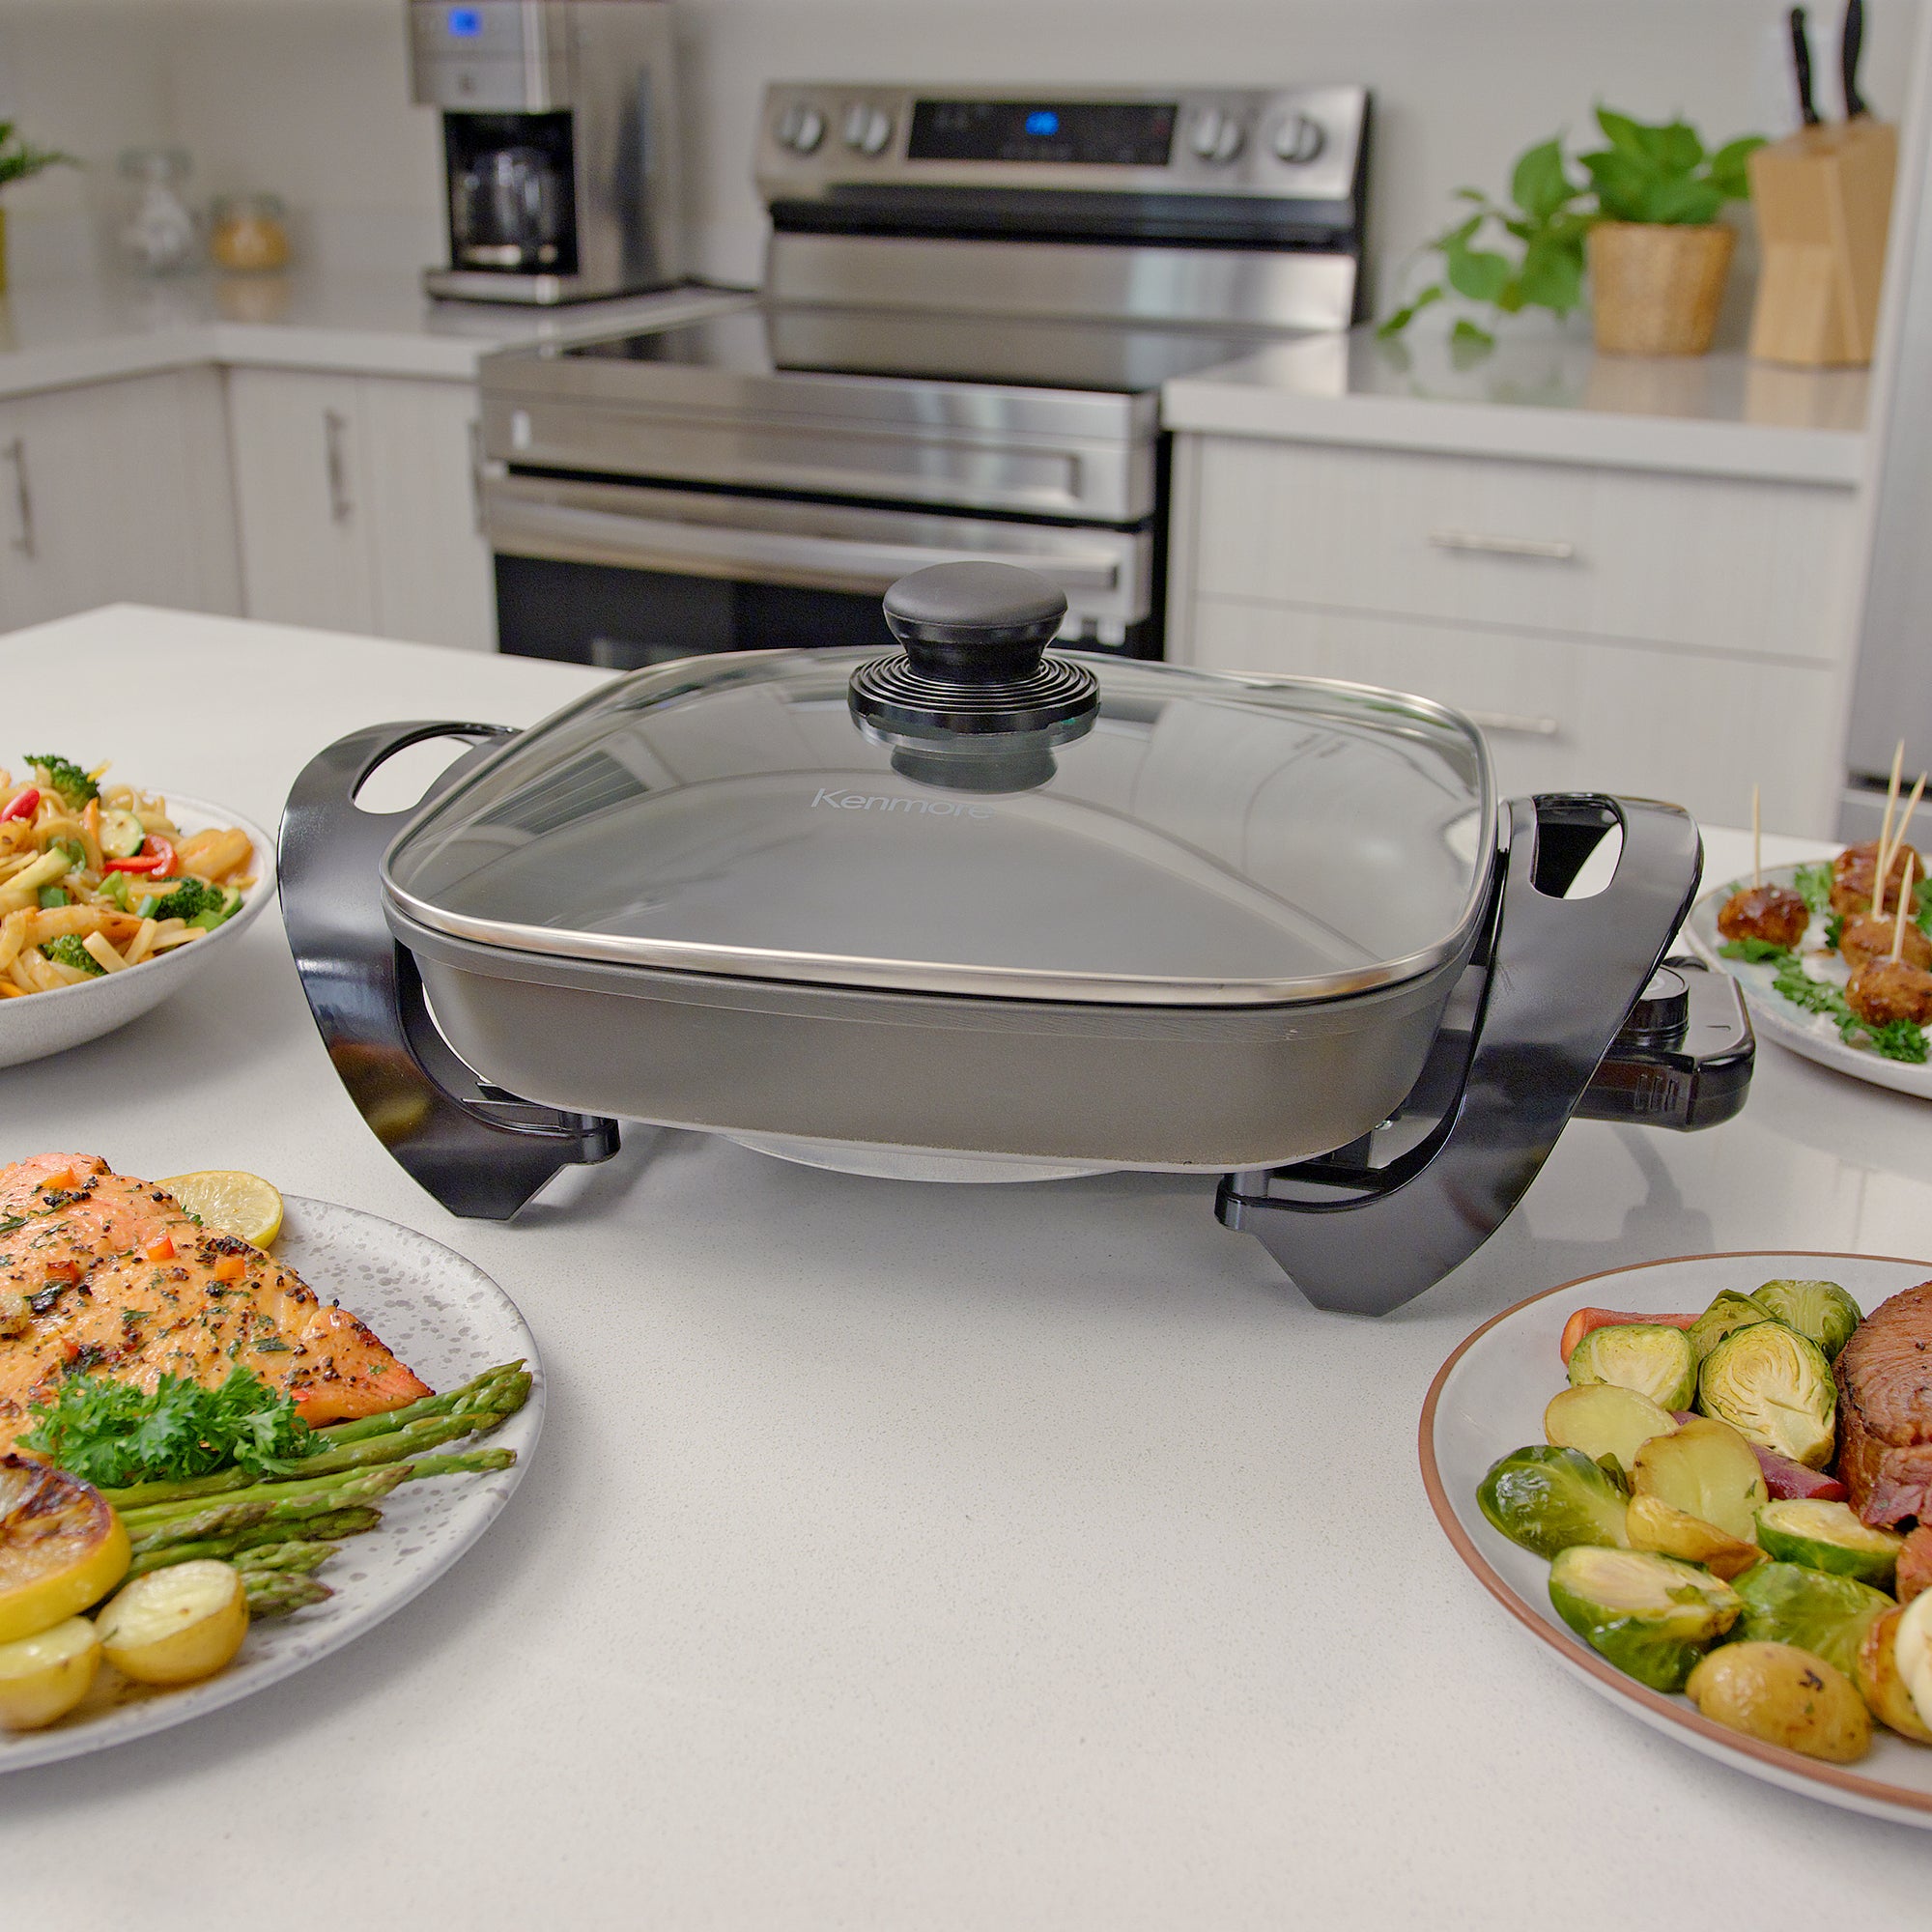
{"x":1834,"y":958}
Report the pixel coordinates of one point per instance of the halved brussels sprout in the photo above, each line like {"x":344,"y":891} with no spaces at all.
{"x":1601,"y":1419}
{"x":1820,"y":1310}
{"x":1549,"y":1499}
{"x":1708,"y":1470}
{"x":1828,"y":1615}
{"x":1727,"y":1314}
{"x":1829,"y":1536}
{"x":1652,"y":1616}
{"x":1785,"y":1696}
{"x":1647,"y":1356}
{"x":1773,"y":1387}
{"x":1652,"y":1523}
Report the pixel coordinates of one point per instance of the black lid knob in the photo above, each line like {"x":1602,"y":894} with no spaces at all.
{"x":1660,"y":1012}
{"x":974,"y":663}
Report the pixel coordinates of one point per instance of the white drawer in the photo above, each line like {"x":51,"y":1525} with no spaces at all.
{"x":1561,"y":715}
{"x":1712,"y":564}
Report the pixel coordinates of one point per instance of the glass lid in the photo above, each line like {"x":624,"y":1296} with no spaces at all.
{"x":1070,"y":827}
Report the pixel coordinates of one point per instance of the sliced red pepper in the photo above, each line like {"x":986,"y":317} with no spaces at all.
{"x":155,"y":856}
{"x":162,"y":1250}
{"x":231,"y":1267}
{"x":24,"y":805}
{"x":63,"y":1271}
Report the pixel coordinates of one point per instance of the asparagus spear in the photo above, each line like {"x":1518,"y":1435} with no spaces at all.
{"x":479,"y":1392}
{"x":273,"y":1593}
{"x":285,"y":1560}
{"x":163,"y":1524}
{"x":237,"y":1546}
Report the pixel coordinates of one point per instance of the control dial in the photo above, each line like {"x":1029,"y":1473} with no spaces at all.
{"x":1298,"y":140}
{"x":1217,"y":137}
{"x":868,"y":128}
{"x":801,"y":127}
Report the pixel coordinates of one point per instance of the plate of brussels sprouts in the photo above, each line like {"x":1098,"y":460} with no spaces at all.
{"x":1658,"y":1471}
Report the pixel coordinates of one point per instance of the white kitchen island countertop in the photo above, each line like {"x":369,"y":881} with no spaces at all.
{"x":1545,"y":395}
{"x":899,"y":1554}
{"x":93,"y":330}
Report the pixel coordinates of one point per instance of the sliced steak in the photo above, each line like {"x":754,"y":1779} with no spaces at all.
{"x":1915,"y":1564}
{"x":1885,"y":1411}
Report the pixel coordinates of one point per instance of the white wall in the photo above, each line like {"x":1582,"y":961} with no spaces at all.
{"x":309,"y":97}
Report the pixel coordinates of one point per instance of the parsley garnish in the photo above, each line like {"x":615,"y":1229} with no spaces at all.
{"x":1813,"y":885}
{"x":1896,"y":1040}
{"x":112,"y":1433}
{"x":1754,"y":951}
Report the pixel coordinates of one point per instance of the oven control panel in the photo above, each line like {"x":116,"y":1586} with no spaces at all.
{"x":816,"y":139}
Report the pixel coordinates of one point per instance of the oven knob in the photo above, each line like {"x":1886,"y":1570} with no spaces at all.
{"x":1217,"y":137}
{"x":801,"y":127}
{"x":1298,"y":140}
{"x":868,"y":129}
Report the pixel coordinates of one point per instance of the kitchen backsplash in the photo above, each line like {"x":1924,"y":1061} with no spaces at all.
{"x":309,"y":99}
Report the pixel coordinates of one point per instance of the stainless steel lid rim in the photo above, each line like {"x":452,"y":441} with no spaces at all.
{"x":917,"y":1009}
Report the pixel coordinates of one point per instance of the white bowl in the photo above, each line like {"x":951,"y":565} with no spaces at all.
{"x":44,"y":1023}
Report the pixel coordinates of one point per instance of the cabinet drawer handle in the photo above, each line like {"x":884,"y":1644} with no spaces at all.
{"x":1553,"y":550}
{"x":24,"y":497}
{"x":1514,"y":723}
{"x":476,"y":475}
{"x":341,"y":507}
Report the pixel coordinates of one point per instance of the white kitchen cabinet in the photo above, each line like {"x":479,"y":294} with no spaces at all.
{"x":116,"y":491}
{"x":356,"y":503}
{"x":1682,"y":637}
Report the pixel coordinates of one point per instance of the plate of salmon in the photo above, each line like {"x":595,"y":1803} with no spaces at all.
{"x":356,"y":1321}
{"x":1681,"y":1582}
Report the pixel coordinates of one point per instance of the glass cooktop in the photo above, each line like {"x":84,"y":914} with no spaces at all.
{"x":1109,"y":358}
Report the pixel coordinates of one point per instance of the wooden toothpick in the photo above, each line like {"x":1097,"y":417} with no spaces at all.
{"x":1757,"y":843}
{"x":1904,"y":901}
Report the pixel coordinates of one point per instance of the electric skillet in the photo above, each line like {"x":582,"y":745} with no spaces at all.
{"x":977,"y":909}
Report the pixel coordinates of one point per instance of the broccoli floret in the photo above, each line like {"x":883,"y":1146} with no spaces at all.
{"x":64,"y":776}
{"x":68,"y":951}
{"x":187,"y":901}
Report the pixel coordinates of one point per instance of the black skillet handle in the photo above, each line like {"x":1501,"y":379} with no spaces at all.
{"x":479,"y":1150}
{"x":1558,"y":979}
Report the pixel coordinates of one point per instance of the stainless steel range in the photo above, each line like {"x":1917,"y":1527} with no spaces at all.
{"x":971,"y":303}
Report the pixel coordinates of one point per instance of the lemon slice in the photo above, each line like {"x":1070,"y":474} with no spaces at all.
{"x":61,"y":1547}
{"x":231,"y":1203}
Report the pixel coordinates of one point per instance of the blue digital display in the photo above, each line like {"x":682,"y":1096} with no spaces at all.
{"x":465,"y":22}
{"x":1042,"y":121}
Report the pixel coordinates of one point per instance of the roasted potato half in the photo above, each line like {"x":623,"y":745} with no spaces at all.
{"x":176,"y":1626}
{"x":1783,"y":1695}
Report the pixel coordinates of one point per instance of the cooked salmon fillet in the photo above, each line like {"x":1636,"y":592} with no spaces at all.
{"x":103,"y":1272}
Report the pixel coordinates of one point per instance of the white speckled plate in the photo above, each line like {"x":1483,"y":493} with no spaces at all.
{"x":44,"y":1023}
{"x":449,"y":1321}
{"x":1488,"y":1398}
{"x":1811,"y":1035}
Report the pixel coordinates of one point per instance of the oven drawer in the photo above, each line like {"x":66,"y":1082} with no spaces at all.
{"x":1106,"y":574}
{"x":1711,"y":563}
{"x":1562,"y":714}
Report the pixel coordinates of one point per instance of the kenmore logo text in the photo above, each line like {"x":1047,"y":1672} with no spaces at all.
{"x":935,"y":807}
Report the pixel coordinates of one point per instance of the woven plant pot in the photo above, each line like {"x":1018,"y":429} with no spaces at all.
{"x":1656,"y":289}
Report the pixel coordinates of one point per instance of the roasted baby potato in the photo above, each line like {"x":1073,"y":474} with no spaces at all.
{"x":43,"y":1677}
{"x":1652,"y":1523}
{"x":1880,"y":1684}
{"x":1783,"y":1695}
{"x":1601,"y":1419}
{"x":176,"y":1626}
{"x":1706,"y":1469}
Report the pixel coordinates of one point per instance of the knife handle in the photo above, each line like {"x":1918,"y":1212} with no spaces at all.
{"x":1850,"y":47}
{"x":1800,"y":65}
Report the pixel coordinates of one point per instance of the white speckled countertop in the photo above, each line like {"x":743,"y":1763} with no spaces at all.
{"x":56,"y":334}
{"x":899,"y":1554}
{"x":1544,"y":396}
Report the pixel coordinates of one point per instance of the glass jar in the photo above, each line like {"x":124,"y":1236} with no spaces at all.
{"x":158,"y":236}
{"x":249,"y":234}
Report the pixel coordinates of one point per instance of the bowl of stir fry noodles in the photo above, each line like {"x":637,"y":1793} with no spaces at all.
{"x":110,"y":896}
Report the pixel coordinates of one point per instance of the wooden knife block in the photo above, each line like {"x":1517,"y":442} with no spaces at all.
{"x":1824,"y":197}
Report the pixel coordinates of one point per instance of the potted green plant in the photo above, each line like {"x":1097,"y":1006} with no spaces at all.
{"x":1642,"y":218}
{"x":20,"y":160}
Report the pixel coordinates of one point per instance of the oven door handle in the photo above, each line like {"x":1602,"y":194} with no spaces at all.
{"x":570,"y":534}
